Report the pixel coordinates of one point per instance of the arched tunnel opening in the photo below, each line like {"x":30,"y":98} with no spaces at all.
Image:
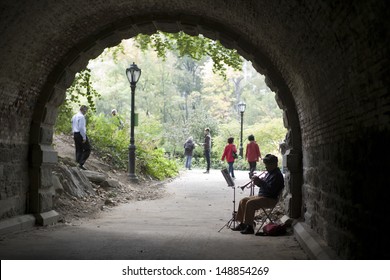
{"x":43,"y":131}
{"x":42,"y":198}
{"x":261,"y":117}
{"x":326,"y":64}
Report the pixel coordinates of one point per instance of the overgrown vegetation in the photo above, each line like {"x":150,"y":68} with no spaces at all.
{"x":178,"y":95}
{"x":111,"y":144}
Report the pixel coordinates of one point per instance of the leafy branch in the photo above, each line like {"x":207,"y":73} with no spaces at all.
{"x":194,"y":47}
{"x":82,"y":87}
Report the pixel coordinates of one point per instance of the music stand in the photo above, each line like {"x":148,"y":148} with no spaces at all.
{"x":230,"y":183}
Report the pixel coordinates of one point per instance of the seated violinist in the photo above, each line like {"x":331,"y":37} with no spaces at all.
{"x":270,"y":187}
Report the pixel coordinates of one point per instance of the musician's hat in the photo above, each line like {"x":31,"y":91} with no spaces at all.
{"x":269,"y":159}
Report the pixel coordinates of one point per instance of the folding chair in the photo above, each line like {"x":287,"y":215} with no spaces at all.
{"x":267,"y":213}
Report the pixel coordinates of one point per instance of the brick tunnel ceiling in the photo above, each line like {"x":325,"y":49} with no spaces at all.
{"x":284,"y":43}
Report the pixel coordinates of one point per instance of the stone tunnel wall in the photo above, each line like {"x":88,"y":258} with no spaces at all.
{"x":326,"y":60}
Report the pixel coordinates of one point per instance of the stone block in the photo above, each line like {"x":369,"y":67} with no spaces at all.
{"x":110,"y":184}
{"x":93,"y":51}
{"x":167,"y":26}
{"x":50,"y":118}
{"x":57,"y":97}
{"x":312,"y":243}
{"x":66,"y":78}
{"x":95,"y":177}
{"x":49,"y":155}
{"x":17,"y":223}
{"x":79,"y":63}
{"x":146,"y":28}
{"x":57,"y":186}
{"x":46,"y":176}
{"x":189,"y":29}
{"x":47,"y":218}
{"x":46,"y":135}
{"x":294,"y":161}
{"x":46,"y":199}
{"x":109,"y":40}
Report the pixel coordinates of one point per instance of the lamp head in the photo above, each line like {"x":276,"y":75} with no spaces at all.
{"x":241,"y":106}
{"x":133,"y":73}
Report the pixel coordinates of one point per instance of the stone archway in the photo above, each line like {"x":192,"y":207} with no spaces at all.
{"x":327,"y":63}
{"x":43,"y":156}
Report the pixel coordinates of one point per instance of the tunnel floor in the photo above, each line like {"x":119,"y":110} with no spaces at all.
{"x":184,"y":224}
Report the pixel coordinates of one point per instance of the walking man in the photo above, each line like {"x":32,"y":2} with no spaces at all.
{"x":189,"y":147}
{"x":207,"y":148}
{"x":83,"y":149}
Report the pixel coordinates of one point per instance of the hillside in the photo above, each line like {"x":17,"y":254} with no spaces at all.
{"x":83,"y":194}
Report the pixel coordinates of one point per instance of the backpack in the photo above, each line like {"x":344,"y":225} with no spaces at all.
{"x":273,"y":229}
{"x":188,"y":147}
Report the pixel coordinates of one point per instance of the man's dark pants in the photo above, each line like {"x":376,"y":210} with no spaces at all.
{"x":252,"y":168}
{"x":207,"y":156}
{"x":82,"y":149}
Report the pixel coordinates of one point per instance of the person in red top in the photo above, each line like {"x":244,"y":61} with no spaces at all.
{"x":228,"y":154}
{"x":252,"y":154}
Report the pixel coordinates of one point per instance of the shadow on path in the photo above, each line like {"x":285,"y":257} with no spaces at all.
{"x":182,"y":225}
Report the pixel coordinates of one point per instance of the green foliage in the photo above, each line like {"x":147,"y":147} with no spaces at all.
{"x":175,"y":98}
{"x":194,"y":47}
{"x":112,"y":144}
{"x":156,"y":164}
{"x":64,"y":117}
{"x":108,"y":141}
{"x":82,"y":90}
{"x":114,"y":52}
{"x":268,"y":134}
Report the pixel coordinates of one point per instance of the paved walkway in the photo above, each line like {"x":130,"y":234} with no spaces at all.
{"x":182,"y":225}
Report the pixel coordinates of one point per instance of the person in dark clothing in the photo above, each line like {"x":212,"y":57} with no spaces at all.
{"x":189,"y":147}
{"x":207,"y":148}
{"x":270,"y":188}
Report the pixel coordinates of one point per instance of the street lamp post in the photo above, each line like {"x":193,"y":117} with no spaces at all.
{"x":241,"y":108}
{"x":133,"y":73}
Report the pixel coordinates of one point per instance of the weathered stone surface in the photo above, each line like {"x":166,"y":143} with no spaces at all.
{"x":110,"y":184}
{"x":74,"y":181}
{"x":95,"y":177}
{"x":57,"y":185}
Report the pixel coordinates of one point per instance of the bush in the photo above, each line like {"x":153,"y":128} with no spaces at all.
{"x":155,"y":164}
{"x":63,"y":124}
{"x":111,"y":143}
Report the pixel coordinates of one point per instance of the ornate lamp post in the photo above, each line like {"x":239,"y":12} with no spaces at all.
{"x":133,"y":73}
{"x":241,"y":108}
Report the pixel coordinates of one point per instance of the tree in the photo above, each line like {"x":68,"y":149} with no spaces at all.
{"x":195,"y":47}
{"x":82,"y":87}
{"x":80,"y":92}
{"x":182,"y":94}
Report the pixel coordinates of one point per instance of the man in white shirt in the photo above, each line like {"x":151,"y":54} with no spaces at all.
{"x":79,"y":130}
